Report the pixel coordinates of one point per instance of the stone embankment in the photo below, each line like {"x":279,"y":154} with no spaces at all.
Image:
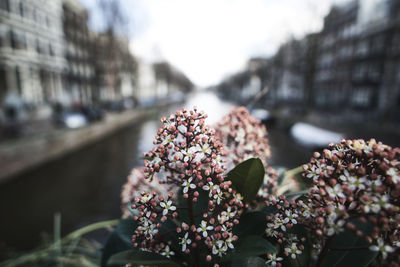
{"x":20,"y":155}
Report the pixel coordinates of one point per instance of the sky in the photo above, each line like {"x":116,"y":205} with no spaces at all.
{"x":210,"y":39}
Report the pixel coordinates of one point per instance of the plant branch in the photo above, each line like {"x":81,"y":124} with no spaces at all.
{"x":324,"y":251}
{"x":353,"y":248}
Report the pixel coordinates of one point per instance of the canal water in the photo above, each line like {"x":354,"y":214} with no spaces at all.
{"x":84,"y":186}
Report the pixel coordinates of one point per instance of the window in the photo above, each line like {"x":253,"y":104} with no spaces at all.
{"x":5,"y":5}
{"x":3,"y":37}
{"x":13,"y":39}
{"x":51,"y":51}
{"x":373,"y":72}
{"x":38,"y":48}
{"x":18,"y":41}
{"x":19,"y":82}
{"x":362,"y":48}
{"x":361,"y":97}
{"x":21,"y":9}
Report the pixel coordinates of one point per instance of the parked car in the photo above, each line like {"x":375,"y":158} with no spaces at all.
{"x":92,"y":113}
{"x":71,"y":119}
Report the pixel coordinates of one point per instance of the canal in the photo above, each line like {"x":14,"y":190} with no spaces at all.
{"x":84,"y":186}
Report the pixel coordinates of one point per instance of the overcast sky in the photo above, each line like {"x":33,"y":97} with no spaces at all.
{"x":209,"y":39}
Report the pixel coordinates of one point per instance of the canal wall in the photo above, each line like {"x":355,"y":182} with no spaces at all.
{"x":26,"y":153}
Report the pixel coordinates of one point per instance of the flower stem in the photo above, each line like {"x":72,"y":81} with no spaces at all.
{"x":324,"y":251}
{"x":192,"y":222}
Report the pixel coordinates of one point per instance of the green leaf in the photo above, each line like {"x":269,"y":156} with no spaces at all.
{"x":247,"y":178}
{"x":199,"y":207}
{"x":249,"y":262}
{"x":119,"y":240}
{"x":348,"y":239}
{"x":250,"y":246}
{"x":251,"y":223}
{"x":140,"y":257}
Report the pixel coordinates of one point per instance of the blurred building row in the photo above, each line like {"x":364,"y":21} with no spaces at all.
{"x":49,"y":55}
{"x":352,"y":64}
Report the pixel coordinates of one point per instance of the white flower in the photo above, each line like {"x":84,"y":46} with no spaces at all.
{"x":379,"y":203}
{"x":219,"y":248}
{"x":293,"y":250}
{"x":167,"y":252}
{"x":305,"y":210}
{"x":145,"y":198}
{"x":149,"y":229}
{"x":314,"y":173}
{"x":204,"y":228}
{"x":335,"y":192}
{"x":217,"y":160}
{"x":167,"y":206}
{"x":335,"y":227}
{"x":167,"y":140}
{"x":324,"y":168}
{"x":339,"y":148}
{"x":228,"y":213}
{"x":190,"y":153}
{"x":239,"y":198}
{"x":394,"y":174}
{"x":279,"y":223}
{"x":270,"y":231}
{"x":345,"y":176}
{"x":205,"y":149}
{"x":240,"y":135}
{"x":175,"y":158}
{"x":291,"y":216}
{"x":218,"y":196}
{"x":187,"y":184}
{"x":358,"y":145}
{"x":210,"y":187}
{"x":272,"y":259}
{"x":184,"y":241}
{"x":381,"y":247}
{"x":356,"y":183}
{"x":228,"y":243}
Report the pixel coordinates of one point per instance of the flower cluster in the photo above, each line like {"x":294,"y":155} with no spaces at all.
{"x":243,"y":136}
{"x":188,"y":155}
{"x":135,"y":184}
{"x":354,"y":183}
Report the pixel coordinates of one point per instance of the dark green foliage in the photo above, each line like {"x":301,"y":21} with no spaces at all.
{"x":348,"y":239}
{"x":247,"y":178}
{"x":119,"y":240}
{"x":140,"y":257}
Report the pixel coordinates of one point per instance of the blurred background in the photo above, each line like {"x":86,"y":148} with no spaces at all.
{"x":83,"y":84}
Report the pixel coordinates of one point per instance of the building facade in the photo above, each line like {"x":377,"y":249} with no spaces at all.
{"x":79,"y":74}
{"x":115,"y":67}
{"x":357,"y":57}
{"x":31,"y":51}
{"x":334,"y":62}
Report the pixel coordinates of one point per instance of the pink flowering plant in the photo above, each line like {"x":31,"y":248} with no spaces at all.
{"x":350,"y":216}
{"x":207,"y":197}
